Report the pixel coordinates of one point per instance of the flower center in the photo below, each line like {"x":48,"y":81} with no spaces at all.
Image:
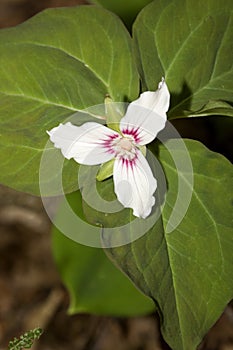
{"x":125,"y":144}
{"x":125,"y":148}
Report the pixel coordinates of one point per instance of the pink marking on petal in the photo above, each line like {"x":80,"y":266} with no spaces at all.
{"x":108,"y":143}
{"x":113,"y":136}
{"x":129,"y":162}
{"x":134,"y":132}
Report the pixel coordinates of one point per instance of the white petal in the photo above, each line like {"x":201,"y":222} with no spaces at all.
{"x":146,"y":116}
{"x":158,"y":100}
{"x":135,"y":185}
{"x":87,"y":144}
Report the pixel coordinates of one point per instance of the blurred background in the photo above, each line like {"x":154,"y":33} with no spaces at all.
{"x":31,"y":292}
{"x":13,"y":12}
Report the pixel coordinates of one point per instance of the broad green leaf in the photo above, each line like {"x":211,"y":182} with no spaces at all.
{"x":213,"y":108}
{"x":127,"y":10}
{"x":51,"y":67}
{"x":188,"y":272}
{"x":189,"y":43}
{"x":102,"y":214}
{"x":94,"y":283}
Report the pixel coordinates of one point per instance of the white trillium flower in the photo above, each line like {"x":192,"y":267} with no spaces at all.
{"x":93,"y":144}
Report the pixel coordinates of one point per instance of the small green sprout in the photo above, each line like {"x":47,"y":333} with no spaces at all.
{"x":26,"y":340}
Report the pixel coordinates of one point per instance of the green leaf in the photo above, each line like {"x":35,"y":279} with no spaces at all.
{"x":104,"y":211}
{"x":127,"y":10}
{"x":188,"y":272}
{"x":188,"y":42}
{"x":213,"y":108}
{"x":94,"y":283}
{"x":114,"y":113}
{"x":105,"y":170}
{"x":51,"y":67}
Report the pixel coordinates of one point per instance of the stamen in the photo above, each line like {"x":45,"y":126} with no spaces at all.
{"x":133,"y":132}
{"x":122,"y":147}
{"x":125,"y":144}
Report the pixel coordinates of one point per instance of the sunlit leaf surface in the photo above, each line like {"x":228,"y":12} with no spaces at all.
{"x":188,"y":271}
{"x":55,"y":64}
{"x":190,"y":43}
